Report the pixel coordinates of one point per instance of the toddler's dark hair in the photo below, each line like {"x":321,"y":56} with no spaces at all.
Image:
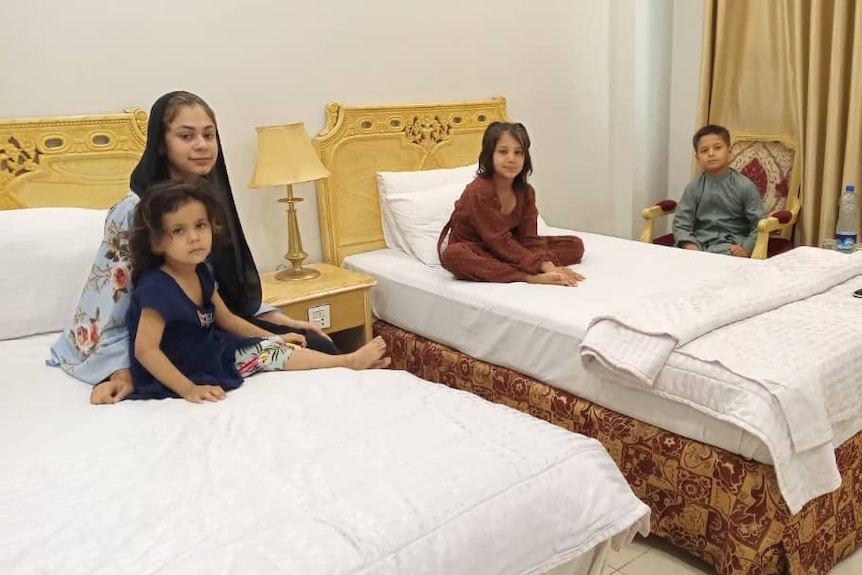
{"x":163,"y":198}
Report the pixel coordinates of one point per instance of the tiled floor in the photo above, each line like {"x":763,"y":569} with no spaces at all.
{"x":652,"y":556}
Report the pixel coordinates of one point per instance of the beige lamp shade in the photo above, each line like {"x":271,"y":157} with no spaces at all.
{"x":285,"y":156}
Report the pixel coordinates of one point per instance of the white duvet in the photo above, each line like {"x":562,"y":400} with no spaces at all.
{"x":789,"y":326}
{"x":537,"y":330}
{"x":332,"y":471}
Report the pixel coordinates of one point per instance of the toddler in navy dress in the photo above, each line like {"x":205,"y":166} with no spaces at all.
{"x":184,"y":341}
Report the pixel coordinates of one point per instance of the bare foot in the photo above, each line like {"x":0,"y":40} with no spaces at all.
{"x":114,"y":389}
{"x":551,"y":278}
{"x":372,"y":355}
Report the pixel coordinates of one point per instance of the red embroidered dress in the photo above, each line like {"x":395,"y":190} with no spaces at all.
{"x":486,"y":245}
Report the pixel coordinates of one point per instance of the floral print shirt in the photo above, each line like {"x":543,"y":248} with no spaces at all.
{"x":97,"y":343}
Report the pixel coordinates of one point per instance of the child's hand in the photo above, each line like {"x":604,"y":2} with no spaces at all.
{"x":689,"y":246}
{"x":296,"y":338}
{"x":739,"y":251}
{"x":201,"y":393}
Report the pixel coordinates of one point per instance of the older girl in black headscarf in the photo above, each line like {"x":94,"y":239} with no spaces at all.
{"x":182,"y":139}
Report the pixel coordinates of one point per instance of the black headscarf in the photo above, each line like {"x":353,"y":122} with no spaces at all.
{"x":235,"y":272}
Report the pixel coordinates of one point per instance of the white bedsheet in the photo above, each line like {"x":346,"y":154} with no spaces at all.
{"x":429,"y":302}
{"x":332,"y":471}
{"x":812,"y":377}
{"x":536,"y":330}
{"x":517,"y":325}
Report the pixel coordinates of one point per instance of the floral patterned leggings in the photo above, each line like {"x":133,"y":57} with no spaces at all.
{"x":269,"y":354}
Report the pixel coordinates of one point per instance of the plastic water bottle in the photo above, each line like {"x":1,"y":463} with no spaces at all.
{"x":845,"y":231}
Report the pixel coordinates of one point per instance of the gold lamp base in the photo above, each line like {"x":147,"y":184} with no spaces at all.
{"x":291,"y":274}
{"x":295,"y":254}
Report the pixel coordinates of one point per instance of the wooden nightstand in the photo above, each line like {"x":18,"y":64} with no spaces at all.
{"x":345,"y":292}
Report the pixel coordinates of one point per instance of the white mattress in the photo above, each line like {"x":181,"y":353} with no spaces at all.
{"x":330,"y":471}
{"x":536,"y":330}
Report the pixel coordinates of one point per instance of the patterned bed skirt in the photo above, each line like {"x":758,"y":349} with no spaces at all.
{"x":718,"y":506}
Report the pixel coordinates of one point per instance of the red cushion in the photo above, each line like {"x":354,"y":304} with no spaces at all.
{"x":778,"y":246}
{"x":665,"y":240}
{"x":783,"y":216}
{"x":666,"y":205}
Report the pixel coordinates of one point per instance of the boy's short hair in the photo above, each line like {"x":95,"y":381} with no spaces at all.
{"x":709,"y":129}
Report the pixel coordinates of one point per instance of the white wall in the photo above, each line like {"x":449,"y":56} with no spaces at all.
{"x":685,"y":79}
{"x":653,"y":41}
{"x":567,"y":67}
{"x":655,"y":67}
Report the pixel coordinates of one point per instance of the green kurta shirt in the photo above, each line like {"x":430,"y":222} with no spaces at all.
{"x":717,"y":211}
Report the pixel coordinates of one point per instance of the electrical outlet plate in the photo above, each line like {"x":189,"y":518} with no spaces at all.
{"x":319,"y":316}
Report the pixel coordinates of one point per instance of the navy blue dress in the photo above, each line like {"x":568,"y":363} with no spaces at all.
{"x":202,"y":352}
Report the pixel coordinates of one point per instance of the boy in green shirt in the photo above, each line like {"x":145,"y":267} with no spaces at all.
{"x":720,"y":208}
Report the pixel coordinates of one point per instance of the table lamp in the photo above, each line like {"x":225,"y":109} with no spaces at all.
{"x":285,"y":157}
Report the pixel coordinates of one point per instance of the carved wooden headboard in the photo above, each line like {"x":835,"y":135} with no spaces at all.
{"x":80,"y":161}
{"x":359,"y":141}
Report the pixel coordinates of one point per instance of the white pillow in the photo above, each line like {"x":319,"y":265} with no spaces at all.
{"x":45,"y":258}
{"x":389,"y":183}
{"x":421,"y":215}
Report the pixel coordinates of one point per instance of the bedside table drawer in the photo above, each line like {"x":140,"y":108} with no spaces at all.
{"x":346,"y":310}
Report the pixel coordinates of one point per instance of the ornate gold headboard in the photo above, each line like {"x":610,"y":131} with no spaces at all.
{"x":360,"y":141}
{"x":80,"y":161}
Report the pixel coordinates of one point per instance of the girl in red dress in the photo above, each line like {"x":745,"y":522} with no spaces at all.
{"x":493,"y":229}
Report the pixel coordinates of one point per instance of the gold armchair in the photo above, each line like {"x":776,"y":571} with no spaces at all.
{"x":772,"y":163}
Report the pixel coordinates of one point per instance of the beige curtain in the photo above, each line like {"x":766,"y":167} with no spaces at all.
{"x":791,"y":67}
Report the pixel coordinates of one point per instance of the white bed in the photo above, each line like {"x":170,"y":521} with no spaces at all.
{"x":706,"y":444}
{"x":538,"y":334}
{"x":331,"y":471}
{"x":537,"y":330}
{"x":320,"y":472}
